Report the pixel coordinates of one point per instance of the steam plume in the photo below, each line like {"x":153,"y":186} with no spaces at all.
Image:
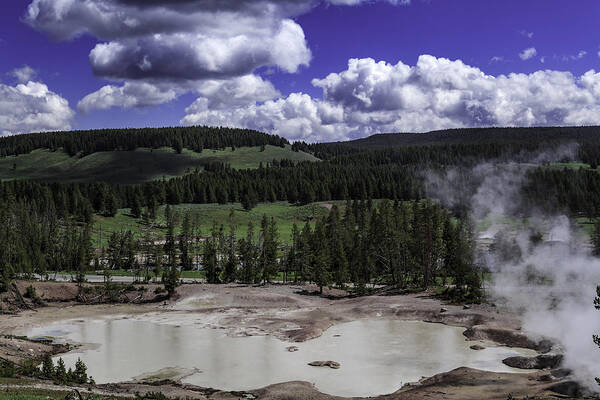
{"x":542,"y":268}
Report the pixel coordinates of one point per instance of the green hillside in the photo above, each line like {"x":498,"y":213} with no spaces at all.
{"x":136,"y":166}
{"x":469,"y":136}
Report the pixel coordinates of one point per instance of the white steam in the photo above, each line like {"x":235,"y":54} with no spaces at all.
{"x":541,"y":265}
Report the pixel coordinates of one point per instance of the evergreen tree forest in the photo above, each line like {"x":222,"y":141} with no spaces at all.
{"x":400,"y":244}
{"x":406,"y":241}
{"x":82,"y":143}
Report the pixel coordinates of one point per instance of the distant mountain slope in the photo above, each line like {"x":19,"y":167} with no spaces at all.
{"x":453,"y":145}
{"x":136,"y":166}
{"x":475,"y":136}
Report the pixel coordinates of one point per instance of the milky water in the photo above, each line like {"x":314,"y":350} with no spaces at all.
{"x":377,"y":356}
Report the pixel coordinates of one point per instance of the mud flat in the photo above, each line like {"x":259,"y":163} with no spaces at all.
{"x":280,"y":312}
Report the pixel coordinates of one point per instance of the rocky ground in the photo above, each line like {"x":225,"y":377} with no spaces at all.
{"x":288,"y":313}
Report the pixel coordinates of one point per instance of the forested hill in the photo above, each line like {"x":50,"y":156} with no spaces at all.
{"x":486,"y":142}
{"x":195,"y":138}
{"x":138,"y":155}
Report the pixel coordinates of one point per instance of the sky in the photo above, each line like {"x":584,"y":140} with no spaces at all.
{"x":312,"y":70}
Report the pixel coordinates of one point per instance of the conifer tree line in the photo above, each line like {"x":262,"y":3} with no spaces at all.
{"x":195,"y":138}
{"x":575,"y":191}
{"x":413,"y":244}
{"x":34,"y":241}
{"x":46,"y":226}
{"x":467,"y":145}
{"x":401,"y":244}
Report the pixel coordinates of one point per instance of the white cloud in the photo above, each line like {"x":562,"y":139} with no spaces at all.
{"x":180,"y":40}
{"x":131,"y":94}
{"x":240,"y":91}
{"x":214,"y":94}
{"x":527,"y":34}
{"x":32,"y":107}
{"x":297,"y":117}
{"x":496,"y":59}
{"x":23,"y":74}
{"x":175,"y":44}
{"x":575,"y":57}
{"x":370,"y":97}
{"x":357,"y":2}
{"x":528,"y":53}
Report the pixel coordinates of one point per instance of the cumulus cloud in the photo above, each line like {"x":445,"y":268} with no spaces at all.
{"x":528,"y":53}
{"x":181,"y":40}
{"x":297,"y":117}
{"x":175,"y":44}
{"x":371,"y":97}
{"x":213,"y":94}
{"x":131,"y":94}
{"x":32,"y":107}
{"x":357,"y":2}
{"x":23,"y":74}
{"x":235,"y":92}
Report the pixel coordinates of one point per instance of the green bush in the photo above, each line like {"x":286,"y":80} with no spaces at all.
{"x":7,"y":369}
{"x":30,"y":292}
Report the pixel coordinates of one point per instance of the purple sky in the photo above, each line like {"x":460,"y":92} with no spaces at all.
{"x":267,"y":83}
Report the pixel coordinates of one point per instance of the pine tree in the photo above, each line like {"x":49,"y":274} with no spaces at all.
{"x":292,"y":255}
{"x":136,"y":207}
{"x":268,"y":249}
{"x":210,"y":257}
{"x":158,"y":255}
{"x":185,"y":241}
{"x":111,"y":205}
{"x":170,"y":275}
{"x":304,"y":252}
{"x":597,"y":305}
{"x":48,"y":367}
{"x":248,"y":256}
{"x":60,"y":372}
{"x":80,"y":373}
{"x":230,"y":270}
{"x":320,"y":266}
{"x":85,"y":254}
{"x":596,"y":238}
{"x":337,"y":253}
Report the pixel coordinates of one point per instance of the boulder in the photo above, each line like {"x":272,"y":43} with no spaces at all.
{"x":292,"y":349}
{"x":330,"y":364}
{"x":542,"y":361}
{"x":477,"y":347}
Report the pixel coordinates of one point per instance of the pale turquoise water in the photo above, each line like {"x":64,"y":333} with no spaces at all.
{"x":377,"y":356}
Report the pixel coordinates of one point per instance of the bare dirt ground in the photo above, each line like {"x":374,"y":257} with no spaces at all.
{"x":284,"y":312}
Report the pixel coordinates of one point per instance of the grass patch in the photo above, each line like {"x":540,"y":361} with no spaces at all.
{"x":30,"y":393}
{"x":284,"y":213}
{"x":137,"y":166}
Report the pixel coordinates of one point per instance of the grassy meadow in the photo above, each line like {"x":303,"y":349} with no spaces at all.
{"x":284,"y":213}
{"x":135,"y":166}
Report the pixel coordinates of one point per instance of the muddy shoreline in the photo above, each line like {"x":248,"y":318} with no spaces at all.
{"x":283,"y":312}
